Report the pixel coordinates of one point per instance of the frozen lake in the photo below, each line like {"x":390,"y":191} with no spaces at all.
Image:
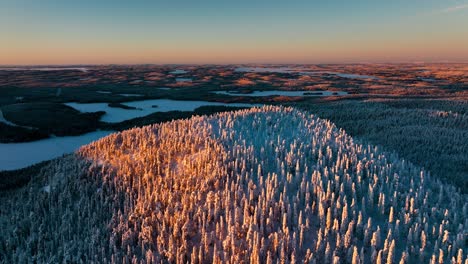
{"x":178,"y":71}
{"x":144,"y":108}
{"x":20,"y":155}
{"x":284,"y":93}
{"x":131,"y":95}
{"x":183,"y":79}
{"x":303,"y":72}
{"x":353,"y":76}
{"x":428,"y":79}
{"x":269,"y":69}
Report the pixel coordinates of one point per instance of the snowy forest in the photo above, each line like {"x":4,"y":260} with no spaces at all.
{"x":262,"y":185}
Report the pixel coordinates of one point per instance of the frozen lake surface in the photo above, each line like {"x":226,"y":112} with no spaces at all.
{"x":20,"y":155}
{"x":428,"y":79}
{"x":144,"y":108}
{"x":283,"y":93}
{"x":183,"y":79}
{"x":269,"y":69}
{"x":302,"y":71}
{"x":178,"y":71}
{"x":131,"y":95}
{"x":354,"y":76}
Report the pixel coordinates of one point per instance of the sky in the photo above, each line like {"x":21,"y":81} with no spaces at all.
{"x":34,"y":32}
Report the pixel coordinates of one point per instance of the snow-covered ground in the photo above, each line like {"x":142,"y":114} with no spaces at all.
{"x":20,"y":155}
{"x":145,"y":107}
{"x":283,"y":93}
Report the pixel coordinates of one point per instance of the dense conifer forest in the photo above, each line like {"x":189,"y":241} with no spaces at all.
{"x":263,"y":185}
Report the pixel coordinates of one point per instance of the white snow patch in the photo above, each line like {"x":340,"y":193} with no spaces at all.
{"x":19,"y":155}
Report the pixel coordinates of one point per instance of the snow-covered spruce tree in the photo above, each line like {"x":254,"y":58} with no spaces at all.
{"x":261,"y":185}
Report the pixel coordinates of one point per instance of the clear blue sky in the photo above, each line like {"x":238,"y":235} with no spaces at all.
{"x":209,"y":31}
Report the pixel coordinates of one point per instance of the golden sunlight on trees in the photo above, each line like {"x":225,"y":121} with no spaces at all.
{"x":271,"y":184}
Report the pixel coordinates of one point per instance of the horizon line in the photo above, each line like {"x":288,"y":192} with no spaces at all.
{"x":222,"y":64}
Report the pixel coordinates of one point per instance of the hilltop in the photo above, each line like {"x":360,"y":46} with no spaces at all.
{"x":259,"y":185}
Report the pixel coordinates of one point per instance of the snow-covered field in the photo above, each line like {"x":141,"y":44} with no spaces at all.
{"x":145,"y":107}
{"x":19,"y":155}
{"x":283,"y":93}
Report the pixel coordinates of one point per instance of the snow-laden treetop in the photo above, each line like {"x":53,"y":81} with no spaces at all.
{"x":260,"y":185}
